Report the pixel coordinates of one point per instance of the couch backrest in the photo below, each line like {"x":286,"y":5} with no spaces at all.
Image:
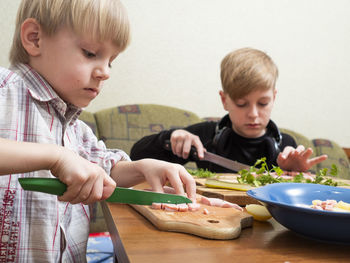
{"x":122,"y":126}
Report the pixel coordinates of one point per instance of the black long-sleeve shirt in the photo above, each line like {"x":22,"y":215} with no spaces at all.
{"x":229,"y":145}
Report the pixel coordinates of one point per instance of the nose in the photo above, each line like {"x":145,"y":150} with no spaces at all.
{"x":101,"y":72}
{"x":253,"y":111}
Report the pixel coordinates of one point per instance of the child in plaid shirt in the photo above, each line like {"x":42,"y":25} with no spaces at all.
{"x":61,"y":54}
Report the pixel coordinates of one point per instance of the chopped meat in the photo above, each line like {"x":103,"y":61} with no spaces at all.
{"x":170,"y":207}
{"x":219,"y":203}
{"x":157,"y":206}
{"x":205,"y":211}
{"x":183,"y":207}
{"x":193,"y":207}
{"x":212,"y":201}
{"x":328,"y":205}
{"x":176,"y":208}
{"x":216,"y":202}
{"x":232,"y":205}
{"x":205,"y":200}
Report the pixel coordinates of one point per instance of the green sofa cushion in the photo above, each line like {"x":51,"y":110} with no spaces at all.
{"x":122,"y":126}
{"x":299,"y":139}
{"x":89,"y":119}
{"x":336,"y":155}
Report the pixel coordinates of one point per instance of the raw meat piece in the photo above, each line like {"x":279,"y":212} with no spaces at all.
{"x":193,"y":207}
{"x":170,"y":207}
{"x":157,"y":206}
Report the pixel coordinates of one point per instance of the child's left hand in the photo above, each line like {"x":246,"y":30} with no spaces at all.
{"x":292,"y":159}
{"x":157,"y":173}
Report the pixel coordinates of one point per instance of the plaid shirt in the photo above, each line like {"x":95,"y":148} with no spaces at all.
{"x":36,"y":227}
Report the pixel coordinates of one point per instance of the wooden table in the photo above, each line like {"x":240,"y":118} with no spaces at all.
{"x":135,"y":239}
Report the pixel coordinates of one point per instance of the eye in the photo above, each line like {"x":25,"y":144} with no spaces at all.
{"x":263,"y":104}
{"x":240,"y":104}
{"x":89,"y":54}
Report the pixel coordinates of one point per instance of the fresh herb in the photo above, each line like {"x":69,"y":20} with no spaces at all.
{"x":201,"y":173}
{"x":259,"y":174}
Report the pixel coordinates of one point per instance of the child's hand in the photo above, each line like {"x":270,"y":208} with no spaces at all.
{"x":86,"y":182}
{"x":298,"y":159}
{"x":181,"y":142}
{"x":157,"y":173}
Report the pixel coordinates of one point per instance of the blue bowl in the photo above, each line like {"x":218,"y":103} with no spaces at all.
{"x":289,"y":204}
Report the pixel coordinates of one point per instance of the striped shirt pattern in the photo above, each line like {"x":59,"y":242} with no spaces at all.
{"x":36,"y":227}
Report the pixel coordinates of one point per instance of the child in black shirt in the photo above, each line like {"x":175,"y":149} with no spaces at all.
{"x":246,"y":133}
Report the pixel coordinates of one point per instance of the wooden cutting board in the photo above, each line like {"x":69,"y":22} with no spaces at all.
{"x":220,"y":223}
{"x":238,"y":197}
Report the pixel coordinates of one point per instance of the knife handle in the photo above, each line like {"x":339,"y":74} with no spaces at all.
{"x":44,"y":185}
{"x":193,"y":152}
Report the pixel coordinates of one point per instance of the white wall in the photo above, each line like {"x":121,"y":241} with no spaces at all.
{"x":177,"y":46}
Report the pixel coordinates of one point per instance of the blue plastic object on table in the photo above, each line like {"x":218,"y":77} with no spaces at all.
{"x":99,"y":248}
{"x":289,"y":204}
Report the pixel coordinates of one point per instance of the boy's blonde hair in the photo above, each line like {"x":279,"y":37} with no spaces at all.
{"x":246,"y":70}
{"x":102,"y":19}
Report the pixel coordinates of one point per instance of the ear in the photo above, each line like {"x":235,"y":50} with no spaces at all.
{"x":223,"y":97}
{"x":274,"y":94}
{"x":30,"y":36}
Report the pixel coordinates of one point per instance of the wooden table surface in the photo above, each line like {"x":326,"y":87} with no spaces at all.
{"x":135,"y":239}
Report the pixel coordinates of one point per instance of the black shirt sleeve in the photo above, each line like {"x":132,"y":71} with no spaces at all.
{"x":152,"y":146}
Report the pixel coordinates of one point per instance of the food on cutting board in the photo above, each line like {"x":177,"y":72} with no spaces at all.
{"x":201,"y":173}
{"x":259,"y":212}
{"x":263,"y":175}
{"x":176,"y":207}
{"x":331,"y":205}
{"x":227,"y":185}
{"x":219,"y":203}
{"x":259,"y":175}
{"x":195,"y":206}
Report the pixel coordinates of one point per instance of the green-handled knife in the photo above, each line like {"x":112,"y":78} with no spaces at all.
{"x":120,"y":194}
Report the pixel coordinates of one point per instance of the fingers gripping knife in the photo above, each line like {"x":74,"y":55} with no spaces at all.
{"x":214,"y":158}
{"x":120,"y":194}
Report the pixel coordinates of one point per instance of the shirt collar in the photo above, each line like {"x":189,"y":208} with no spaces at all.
{"x":41,"y":90}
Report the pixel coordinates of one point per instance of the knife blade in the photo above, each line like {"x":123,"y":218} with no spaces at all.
{"x":214,"y":158}
{"x":120,"y":194}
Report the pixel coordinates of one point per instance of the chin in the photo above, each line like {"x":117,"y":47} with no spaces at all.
{"x":254,"y":134}
{"x":82,"y":104}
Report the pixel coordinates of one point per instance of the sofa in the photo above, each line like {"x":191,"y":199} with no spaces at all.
{"x":121,"y":126}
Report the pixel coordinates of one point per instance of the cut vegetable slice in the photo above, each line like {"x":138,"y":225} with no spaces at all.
{"x":226,"y":185}
{"x":259,"y":212}
{"x":343,"y":205}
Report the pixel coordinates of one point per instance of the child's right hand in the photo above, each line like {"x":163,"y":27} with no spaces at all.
{"x":182,"y":141}
{"x":86,"y":182}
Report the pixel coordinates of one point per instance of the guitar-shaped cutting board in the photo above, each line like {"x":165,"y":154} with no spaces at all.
{"x":220,"y":223}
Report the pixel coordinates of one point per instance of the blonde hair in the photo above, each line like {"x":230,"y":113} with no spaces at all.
{"x":102,"y":19}
{"x":246,"y":70}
